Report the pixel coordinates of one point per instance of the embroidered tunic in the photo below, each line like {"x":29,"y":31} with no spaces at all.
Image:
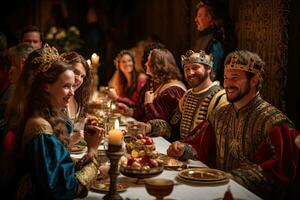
{"x":193,"y":108}
{"x":254,"y":144}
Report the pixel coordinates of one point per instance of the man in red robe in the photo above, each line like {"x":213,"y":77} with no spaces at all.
{"x":249,"y":138}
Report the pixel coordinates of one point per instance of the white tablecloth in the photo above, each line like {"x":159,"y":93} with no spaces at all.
{"x":181,"y":191}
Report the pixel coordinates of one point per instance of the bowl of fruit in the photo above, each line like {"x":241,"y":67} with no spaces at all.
{"x":141,"y":160}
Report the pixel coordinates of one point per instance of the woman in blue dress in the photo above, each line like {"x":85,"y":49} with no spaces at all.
{"x":43,"y":166}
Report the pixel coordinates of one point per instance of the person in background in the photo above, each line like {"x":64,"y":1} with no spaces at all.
{"x":209,"y":38}
{"x":249,"y":138}
{"x":16,"y":57}
{"x":203,"y":97}
{"x":43,"y":166}
{"x":77,"y":109}
{"x":4,"y":81}
{"x":33,"y":36}
{"x":168,"y":89}
{"x":128,"y":83}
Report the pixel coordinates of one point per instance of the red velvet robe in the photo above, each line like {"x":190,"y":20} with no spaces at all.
{"x":266,"y":156}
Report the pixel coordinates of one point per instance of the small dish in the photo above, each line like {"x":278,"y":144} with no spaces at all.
{"x":140,"y":174}
{"x":159,"y":187}
{"x":203,"y":174}
{"x":201,"y":183}
{"x":171,"y":163}
{"x":77,"y":149}
{"x":104,"y":187}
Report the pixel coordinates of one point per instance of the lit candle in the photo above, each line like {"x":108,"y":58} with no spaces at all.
{"x":95,"y":59}
{"x":89,"y":62}
{"x":115,"y":135}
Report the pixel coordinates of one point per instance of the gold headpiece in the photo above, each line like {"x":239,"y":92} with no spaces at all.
{"x":250,"y":67}
{"x":201,"y":58}
{"x":48,"y":56}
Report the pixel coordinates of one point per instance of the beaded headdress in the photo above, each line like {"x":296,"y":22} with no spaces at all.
{"x":252,"y":65}
{"x":48,"y":56}
{"x":196,"y":57}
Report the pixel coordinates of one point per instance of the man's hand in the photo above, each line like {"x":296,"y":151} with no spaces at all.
{"x":176,"y":149}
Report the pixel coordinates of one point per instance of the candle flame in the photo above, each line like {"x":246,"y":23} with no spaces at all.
{"x":89,"y":62}
{"x":117,"y":124}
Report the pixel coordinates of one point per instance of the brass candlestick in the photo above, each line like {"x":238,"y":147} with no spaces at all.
{"x":114,"y":154}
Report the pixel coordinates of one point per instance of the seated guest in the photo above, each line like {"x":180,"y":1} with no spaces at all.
{"x":16,"y":58}
{"x":33,"y":36}
{"x":203,"y":97}
{"x":127,"y":83}
{"x":249,"y":138}
{"x":41,"y":161}
{"x":168,"y":89}
{"x":77,"y":109}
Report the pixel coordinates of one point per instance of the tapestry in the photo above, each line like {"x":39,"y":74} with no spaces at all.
{"x":261,"y":27}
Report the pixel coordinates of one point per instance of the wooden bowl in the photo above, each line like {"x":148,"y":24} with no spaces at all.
{"x":159,"y":187}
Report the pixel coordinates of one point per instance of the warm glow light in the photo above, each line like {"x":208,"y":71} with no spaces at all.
{"x":115,"y":135}
{"x":117,"y":124}
{"x":95,"y":59}
{"x":89,"y":62}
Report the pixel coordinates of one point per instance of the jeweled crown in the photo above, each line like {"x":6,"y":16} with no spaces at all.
{"x":250,"y":67}
{"x":48,"y":56}
{"x":196,"y":57}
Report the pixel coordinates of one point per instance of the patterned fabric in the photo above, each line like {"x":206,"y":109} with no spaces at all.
{"x":245,"y":129}
{"x":193,"y":108}
{"x":48,"y":168}
{"x":261,"y":38}
{"x":165,"y":102}
{"x":255,"y":144}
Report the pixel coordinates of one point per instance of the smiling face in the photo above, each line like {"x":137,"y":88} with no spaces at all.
{"x":80,"y":74}
{"x":126,"y":64}
{"x":203,"y":19}
{"x":195,"y":74}
{"x":237,"y":85}
{"x":61,"y":91}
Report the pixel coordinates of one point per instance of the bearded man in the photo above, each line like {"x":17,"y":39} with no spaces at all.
{"x":203,"y":96}
{"x":249,"y":138}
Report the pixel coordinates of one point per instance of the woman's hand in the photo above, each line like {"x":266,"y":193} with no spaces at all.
{"x":93,"y":136}
{"x":125,"y":110}
{"x":112,"y":93}
{"x":176,"y":149}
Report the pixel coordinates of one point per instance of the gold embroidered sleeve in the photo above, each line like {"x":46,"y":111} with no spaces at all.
{"x":160,"y":128}
{"x":88,"y":174}
{"x":36,"y":126}
{"x":252,"y":177}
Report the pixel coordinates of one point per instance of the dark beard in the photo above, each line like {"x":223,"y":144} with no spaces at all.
{"x":200,"y":80}
{"x":241,"y":94}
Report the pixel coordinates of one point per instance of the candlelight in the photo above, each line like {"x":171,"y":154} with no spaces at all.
{"x":117,"y":124}
{"x":115,"y":135}
{"x":89,"y":62}
{"x":95,"y":59}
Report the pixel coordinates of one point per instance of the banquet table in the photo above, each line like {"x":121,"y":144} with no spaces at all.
{"x":181,"y":191}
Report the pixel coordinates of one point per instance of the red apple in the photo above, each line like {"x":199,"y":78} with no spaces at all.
{"x":130,"y":161}
{"x":149,"y":140}
{"x":152,"y":163}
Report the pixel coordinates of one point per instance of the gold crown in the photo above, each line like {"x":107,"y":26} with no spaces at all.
{"x":48,"y":56}
{"x":202,"y":58}
{"x":250,"y":67}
